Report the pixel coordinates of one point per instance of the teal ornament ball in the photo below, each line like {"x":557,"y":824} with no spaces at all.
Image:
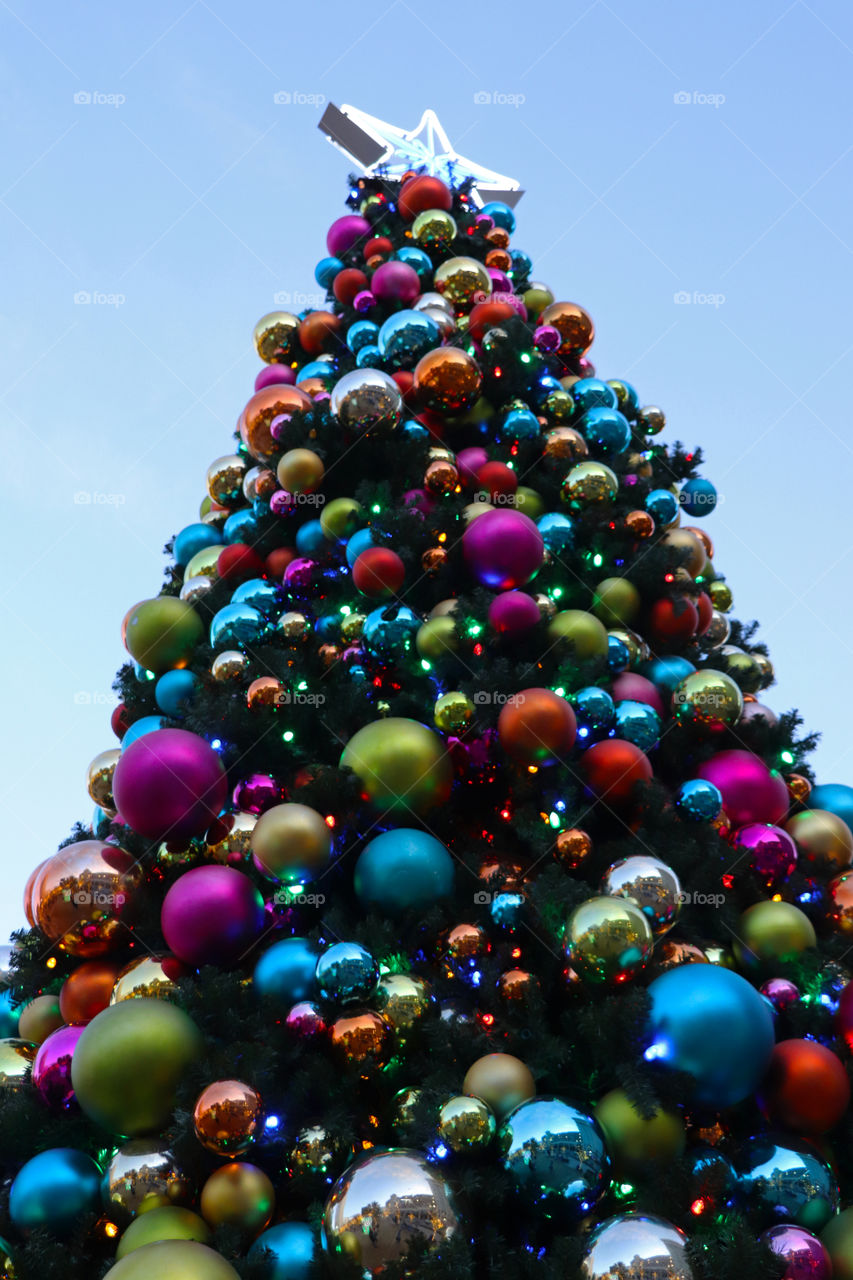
{"x":784,"y":1179}
{"x":834,"y":797}
{"x":235,"y":626}
{"x":55,"y":1190}
{"x":405,"y":337}
{"x":286,"y":973}
{"x":286,"y":1251}
{"x":556,"y":1158}
{"x":9,"y":1014}
{"x":346,"y":972}
{"x":402,"y":870}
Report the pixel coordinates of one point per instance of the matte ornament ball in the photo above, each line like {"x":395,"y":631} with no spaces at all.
{"x":503,"y":549}
{"x":161,"y":633}
{"x":824,"y":841}
{"x":291,"y":843}
{"x":55,"y":1190}
{"x":837,"y":1237}
{"x":403,"y":870}
{"x":770,"y":933}
{"x":286,"y":972}
{"x":636,"y":1245}
{"x":173,"y":1260}
{"x":635,"y":1140}
{"x":170,"y":785}
{"x":751,"y":792}
{"x":501,"y":1080}
{"x":613,"y":769}
{"x":806,"y":1087}
{"x":238,"y":1195}
{"x":556,"y":1158}
{"x":698,"y":1007}
{"x":403,"y":766}
{"x":286,"y":1251}
{"x":537,"y":726}
{"x":164,"y":1222}
{"x":212,"y":915}
{"x":362,"y":1222}
{"x":608,"y":940}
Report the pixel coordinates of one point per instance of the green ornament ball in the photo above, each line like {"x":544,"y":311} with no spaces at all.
{"x":403,"y":767}
{"x":581,"y":633}
{"x":173,"y":1260}
{"x":616,"y":602}
{"x":161,"y":634}
{"x":636,"y":1141}
{"x":167,"y":1222}
{"x":770,"y":933}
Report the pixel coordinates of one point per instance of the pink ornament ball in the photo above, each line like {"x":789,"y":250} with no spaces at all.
{"x":469,"y":461}
{"x":503,"y":549}
{"x":630,"y":687}
{"x":273,"y":374}
{"x":212,"y":915}
{"x":750,"y":791}
{"x":170,"y":785}
{"x":513,"y":614}
{"x":805,"y":1257}
{"x":52,"y":1067}
{"x":395,"y":282}
{"x":771,"y":852}
{"x":256,"y":793}
{"x":345,"y":233}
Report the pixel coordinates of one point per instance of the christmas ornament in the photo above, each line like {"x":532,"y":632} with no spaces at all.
{"x":751,"y":792}
{"x":608,"y":940}
{"x":166,"y":1222}
{"x":212,"y":914}
{"x":55,"y":1190}
{"x":346,"y":973}
{"x":403,"y":870}
{"x":824,"y":841}
{"x":287,"y":1251}
{"x":87,"y":990}
{"x":613,"y":770}
{"x":639,"y":1245}
{"x":786,"y":1180}
{"x":238,"y":1195}
{"x":402,"y":766}
{"x":806,"y":1087}
{"x":227,"y":1117}
{"x":651,"y":884}
{"x":367,"y":400}
{"x":285,"y":973}
{"x":160,"y":634}
{"x":169,"y":785}
{"x":154,"y":975}
{"x":291,"y":843}
{"x":555,"y":1157}
{"x":537,"y":726}
{"x":635,"y":1140}
{"x":142,"y":1176}
{"x":465,"y":1124}
{"x":173,"y":1260}
{"x":770,"y":932}
{"x":82,"y":893}
{"x":52,"y":1068}
{"x":502,"y":1081}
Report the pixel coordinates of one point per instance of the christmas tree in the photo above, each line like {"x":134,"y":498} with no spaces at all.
{"x":452,"y":906}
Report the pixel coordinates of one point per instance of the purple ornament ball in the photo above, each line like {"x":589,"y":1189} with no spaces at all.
{"x":345,"y":233}
{"x":469,"y":462}
{"x":806,"y":1258}
{"x":170,"y":785}
{"x":771,"y":851}
{"x":52,"y":1067}
{"x":503,"y":549}
{"x":500,"y":284}
{"x":513,"y":614}
{"x":273,"y":374}
{"x":256,"y":793}
{"x":395,"y":282}
{"x":755,"y":711}
{"x":212,"y":915}
{"x":781,"y":992}
{"x":751,"y":793}
{"x":301,"y":578}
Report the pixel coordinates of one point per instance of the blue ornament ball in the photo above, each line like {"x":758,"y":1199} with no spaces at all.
{"x":698,"y":800}
{"x":139,"y":728}
{"x":234,"y":626}
{"x":362,"y":334}
{"x":286,"y":972}
{"x":194,"y":538}
{"x":326,"y":270}
{"x":606,"y":431}
{"x":55,"y":1190}
{"x":668,"y":671}
{"x":592,"y":393}
{"x":318,"y":369}
{"x":369,"y":358}
{"x":260,"y":594}
{"x":506,"y":909}
{"x":501,"y":214}
{"x":173,"y":691}
{"x":695,"y":1010}
{"x":834,"y":797}
{"x":618,"y":655}
{"x":520,"y":423}
{"x":241,"y":526}
{"x":9,"y":1015}
{"x":662,"y":504}
{"x":522,"y":263}
{"x":783,"y":1179}
{"x":627,"y":396}
{"x":417,"y":259}
{"x":311,"y":541}
{"x":360,"y":541}
{"x":639,"y":723}
{"x":558,"y":532}
{"x":390,"y":637}
{"x":698,"y":497}
{"x":405,"y":337}
{"x":556,"y":1158}
{"x":594,"y":709}
{"x":402,"y":870}
{"x":347,"y":972}
{"x":287,"y":1251}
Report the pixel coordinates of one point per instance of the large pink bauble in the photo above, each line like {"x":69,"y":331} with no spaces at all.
{"x":395,"y":282}
{"x":170,"y":785}
{"x":514,"y":613}
{"x":503,"y":549}
{"x":630,"y":687}
{"x":805,"y":1256}
{"x":751,"y":793}
{"x":272,"y":374}
{"x":345,"y":233}
{"x":52,"y":1067}
{"x":212,"y":915}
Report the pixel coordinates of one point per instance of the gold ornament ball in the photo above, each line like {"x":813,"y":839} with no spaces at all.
{"x":172,"y":1260}
{"x":225,"y":477}
{"x":433,"y":559}
{"x":141,"y":1176}
{"x":300,"y":471}
{"x":651,"y":420}
{"x":99,"y":779}
{"x":276,"y":337}
{"x":459,"y":280}
{"x":687,"y":550}
{"x":255,"y":424}
{"x":466,"y":1124}
{"x":589,"y":485}
{"x":266,"y":691}
{"x":744,"y":670}
{"x":403,"y":999}
{"x":204,"y":564}
{"x":799,"y":788}
{"x":81,"y":894}
{"x":229,"y":665}
{"x":772,"y":932}
{"x":403,"y":767}
{"x":558,"y":407}
{"x":155,"y":976}
{"x":441,"y":477}
{"x":227,"y":1116}
{"x":536,"y":298}
{"x":434,"y":229}
{"x":516,"y":985}
{"x":293,"y":627}
{"x":501,"y":1080}
{"x":238,"y":1195}
{"x":447,"y":379}
{"x":616,"y":602}
{"x":765,"y":667}
{"x":634,"y":1140}
{"x":229,"y":839}
{"x":168,"y":1222}
{"x":352,"y":627}
{"x":718,"y":631}
{"x":362,"y":1038}
{"x":640,"y":523}
{"x":565,"y":444}
{"x":573,"y":324}
{"x":579,"y":633}
{"x":824,"y":841}
{"x":465,"y":942}
{"x":291,"y":843}
{"x":436,"y":638}
{"x":721,"y":596}
{"x":16,"y":1058}
{"x":608,"y":940}
{"x":708,"y":700}
{"x":453,"y":712}
{"x":39,"y":1018}
{"x":572,"y":848}
{"x":340,"y":518}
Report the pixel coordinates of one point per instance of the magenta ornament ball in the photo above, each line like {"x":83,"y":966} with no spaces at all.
{"x":52,"y":1067}
{"x":273,"y":374}
{"x":345,"y":233}
{"x":806,"y":1258}
{"x":170,"y":785}
{"x":750,"y":791}
{"x":630,"y":687}
{"x":212,"y":915}
{"x":469,"y":461}
{"x":771,"y":852}
{"x":503,"y":549}
{"x":395,"y":282}
{"x":514,"y":613}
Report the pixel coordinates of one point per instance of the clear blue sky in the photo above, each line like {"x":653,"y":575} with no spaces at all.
{"x":184,"y":198}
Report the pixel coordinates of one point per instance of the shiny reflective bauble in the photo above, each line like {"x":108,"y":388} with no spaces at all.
{"x":52,"y":1068}
{"x":465,"y":1124}
{"x":573,"y":324}
{"x":448,"y":380}
{"x":227,"y":1117}
{"x":225,"y":479}
{"x":403,"y":999}
{"x":380,"y":1205}
{"x":453,"y":712}
{"x":143,"y":1175}
{"x":637,"y":1246}
{"x":589,"y":485}
{"x":460,"y":280}
{"x":269,"y":412}
{"x":314,"y":1155}
{"x":16,"y":1057}
{"x":784,"y":1179}
{"x":608,"y":940}
{"x":806,"y":1258}
{"x":285,"y":973}
{"x":154,"y":975}
{"x":346,"y":973}
{"x":276,"y":337}
{"x":367,"y":400}
{"x":572,"y":848}
{"x":229,"y":839}
{"x":501,"y":1080}
{"x":361,"y":1038}
{"x":99,"y":779}
{"x":81,"y":895}
{"x":556,"y":1158}
{"x":434,"y":229}
{"x":708,"y":700}
{"x":651,"y":884}
{"x":238,"y":1195}
{"x":229,"y":665}
{"x":287,"y":1249}
{"x":403,"y":766}
{"x":566,"y":444}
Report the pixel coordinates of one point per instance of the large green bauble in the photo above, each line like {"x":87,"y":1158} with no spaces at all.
{"x":168,"y":1222}
{"x":161,"y":634}
{"x":129,"y":1062}
{"x":173,"y":1260}
{"x":617,"y":602}
{"x":837,"y":1237}
{"x":580,"y":632}
{"x":403,"y":766}
{"x":636,"y":1141}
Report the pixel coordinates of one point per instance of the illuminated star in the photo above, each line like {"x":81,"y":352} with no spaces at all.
{"x":383,"y":149}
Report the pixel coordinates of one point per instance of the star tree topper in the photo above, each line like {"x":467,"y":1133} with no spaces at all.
{"x":382,"y":148}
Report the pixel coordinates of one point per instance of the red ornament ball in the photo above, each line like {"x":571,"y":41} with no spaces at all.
{"x":613,"y":768}
{"x":378,"y":572}
{"x":806,"y":1087}
{"x":278,"y":560}
{"x":705,"y":610}
{"x":422,"y":193}
{"x":120,"y":721}
{"x":537,"y":727}
{"x":318,"y":332}
{"x":238,"y":563}
{"x":347,"y":284}
{"x":672,"y":623}
{"x":378,"y":245}
{"x":488,"y":315}
{"x":497,"y":480}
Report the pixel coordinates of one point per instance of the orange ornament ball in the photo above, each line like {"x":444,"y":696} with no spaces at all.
{"x":277,"y":401}
{"x":347,"y":284}
{"x":319,"y":332}
{"x":487,"y":315}
{"x":573,"y":324}
{"x":537,"y":727}
{"x":422,"y":193}
{"x":613,"y":769}
{"x":806,"y":1087}
{"x":87,"y":990}
{"x":448,"y":380}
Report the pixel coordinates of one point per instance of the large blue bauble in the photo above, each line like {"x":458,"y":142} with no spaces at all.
{"x":311,"y":541}
{"x":193,"y":538}
{"x":501,"y":214}
{"x":261,"y":594}
{"x":607,"y":431}
{"x":286,"y":972}
{"x":520,"y":423}
{"x":639,"y":723}
{"x":390,"y":637}
{"x":592,"y":393}
{"x":326,"y":270}
{"x":403,"y":869}
{"x":9,"y":1015}
{"x":54,"y":1190}
{"x":668,"y":671}
{"x":406,"y":336}
{"x":710,"y":1022}
{"x":556,"y":1158}
{"x":139,"y":728}
{"x":173,"y":691}
{"x":287,"y":1250}
{"x":835,"y":797}
{"x":347,"y":972}
{"x":235,"y":625}
{"x":558,"y":532}
{"x":362,"y":334}
{"x":698,"y":497}
{"x":782,"y":1179}
{"x":241,"y":526}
